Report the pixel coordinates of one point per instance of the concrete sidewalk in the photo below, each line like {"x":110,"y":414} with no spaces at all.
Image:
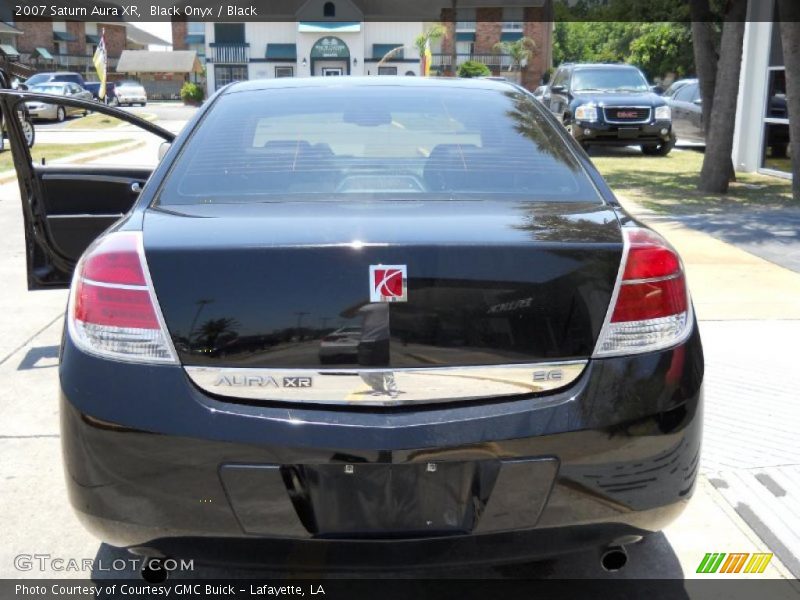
{"x":727,"y":283}
{"x":749,"y":313}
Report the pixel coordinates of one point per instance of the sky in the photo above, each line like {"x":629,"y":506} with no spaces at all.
{"x":162,"y":29}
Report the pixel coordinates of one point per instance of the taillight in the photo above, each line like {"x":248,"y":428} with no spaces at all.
{"x":650,"y":308}
{"x":113,"y":311}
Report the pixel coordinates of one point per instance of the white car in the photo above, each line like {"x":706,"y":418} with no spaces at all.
{"x":130,"y":92}
{"x":57,"y":112}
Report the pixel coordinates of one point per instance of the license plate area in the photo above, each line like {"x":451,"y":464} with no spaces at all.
{"x":628,"y":133}
{"x":366,"y":500}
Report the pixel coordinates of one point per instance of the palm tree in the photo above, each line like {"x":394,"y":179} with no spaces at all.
{"x":421,"y":42}
{"x":521,"y":52}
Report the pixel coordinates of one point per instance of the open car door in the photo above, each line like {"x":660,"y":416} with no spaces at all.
{"x":67,"y":206}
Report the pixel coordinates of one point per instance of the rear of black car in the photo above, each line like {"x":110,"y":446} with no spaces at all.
{"x":404,"y":319}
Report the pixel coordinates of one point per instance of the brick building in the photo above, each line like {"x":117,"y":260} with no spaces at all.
{"x":472,"y":34}
{"x":70,"y":45}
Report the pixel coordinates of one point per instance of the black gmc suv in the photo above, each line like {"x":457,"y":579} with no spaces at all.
{"x":610,"y":104}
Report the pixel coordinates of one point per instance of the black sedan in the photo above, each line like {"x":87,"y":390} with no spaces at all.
{"x":523,"y":368}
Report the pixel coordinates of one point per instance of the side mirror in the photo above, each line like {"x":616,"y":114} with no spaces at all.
{"x":657,"y":89}
{"x":698,"y":102}
{"x":558,"y":89}
{"x":163,"y":149}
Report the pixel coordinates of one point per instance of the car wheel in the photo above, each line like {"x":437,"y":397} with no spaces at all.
{"x":661,"y":149}
{"x":61,"y":114}
{"x":29,"y":131}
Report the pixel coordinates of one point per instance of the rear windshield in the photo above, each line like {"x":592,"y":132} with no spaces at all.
{"x":375,"y":142}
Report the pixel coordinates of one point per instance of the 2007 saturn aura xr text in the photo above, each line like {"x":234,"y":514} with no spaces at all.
{"x":402,"y":319}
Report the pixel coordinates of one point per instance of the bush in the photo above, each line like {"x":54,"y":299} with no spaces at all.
{"x":191,"y":93}
{"x":473,"y":68}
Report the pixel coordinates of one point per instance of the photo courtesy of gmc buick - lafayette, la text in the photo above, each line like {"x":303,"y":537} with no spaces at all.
{"x":369,"y":322}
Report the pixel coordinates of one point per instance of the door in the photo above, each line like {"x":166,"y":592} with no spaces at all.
{"x":331,"y":71}
{"x":65,"y":207}
{"x":684,"y":120}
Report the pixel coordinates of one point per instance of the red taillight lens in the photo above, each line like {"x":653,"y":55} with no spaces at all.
{"x":652,"y":305}
{"x":115,"y":260}
{"x":102,"y":305}
{"x":651,"y":300}
{"x":113,"y":311}
{"x":649,"y":257}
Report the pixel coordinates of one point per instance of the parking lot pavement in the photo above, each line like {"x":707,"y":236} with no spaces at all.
{"x":746,"y":496}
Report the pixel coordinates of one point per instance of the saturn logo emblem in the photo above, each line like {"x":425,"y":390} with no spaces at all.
{"x":387,"y":283}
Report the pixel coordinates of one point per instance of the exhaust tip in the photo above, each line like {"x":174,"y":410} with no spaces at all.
{"x":153,"y":571}
{"x":613,"y":558}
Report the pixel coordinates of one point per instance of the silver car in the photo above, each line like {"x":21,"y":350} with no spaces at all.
{"x":131,"y":92}
{"x":57,"y":112}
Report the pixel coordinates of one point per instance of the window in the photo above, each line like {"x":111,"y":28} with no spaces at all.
{"x":376,"y":143}
{"x":387,"y":70}
{"x":195,"y":27}
{"x":329,"y":10}
{"x":686,"y":93}
{"x":776,"y":152}
{"x":561,"y":78}
{"x":609,"y":79}
{"x":284,"y":72}
{"x":229,"y":33}
{"x":465,"y":19}
{"x":225,"y":74}
{"x":513,"y":19}
{"x":465,"y":48}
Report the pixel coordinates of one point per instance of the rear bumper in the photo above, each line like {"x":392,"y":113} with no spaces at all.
{"x":153,"y":462}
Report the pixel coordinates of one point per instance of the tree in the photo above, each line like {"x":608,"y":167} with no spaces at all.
{"x":790,"y":36}
{"x":521,"y":52}
{"x":717,"y":167}
{"x":473,"y":68}
{"x":421,"y":42}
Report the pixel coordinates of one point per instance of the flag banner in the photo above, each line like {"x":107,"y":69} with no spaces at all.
{"x":100,"y":60}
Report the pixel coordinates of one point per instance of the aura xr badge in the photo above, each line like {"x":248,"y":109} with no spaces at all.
{"x":387,"y":283}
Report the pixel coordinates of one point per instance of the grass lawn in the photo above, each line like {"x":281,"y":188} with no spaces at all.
{"x":669,"y":184}
{"x":53,"y":151}
{"x":101,"y":121}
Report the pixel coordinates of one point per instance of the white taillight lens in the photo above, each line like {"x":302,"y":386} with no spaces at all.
{"x":650,"y":308}
{"x":113,"y":311}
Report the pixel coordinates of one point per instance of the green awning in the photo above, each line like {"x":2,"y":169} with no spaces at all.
{"x":92,"y":39}
{"x":9,"y":50}
{"x":329,"y":27}
{"x":44,"y":53}
{"x":510,"y":36}
{"x":465,"y":36}
{"x":282,"y":52}
{"x":63,"y":36}
{"x":196,"y":38}
{"x":380,"y":50}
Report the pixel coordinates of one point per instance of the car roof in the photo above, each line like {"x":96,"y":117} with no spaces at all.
{"x":361,"y":82}
{"x":61,"y":83}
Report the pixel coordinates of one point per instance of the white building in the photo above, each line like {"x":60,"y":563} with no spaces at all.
{"x":761,"y":134}
{"x":264,"y":50}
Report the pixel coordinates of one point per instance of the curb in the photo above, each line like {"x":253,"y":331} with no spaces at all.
{"x":81,"y":157}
